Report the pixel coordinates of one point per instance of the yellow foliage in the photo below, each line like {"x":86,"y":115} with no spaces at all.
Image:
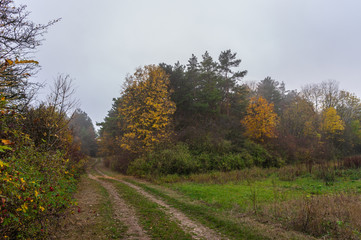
{"x":261,"y":120}
{"x":331,"y":122}
{"x":146,"y":108}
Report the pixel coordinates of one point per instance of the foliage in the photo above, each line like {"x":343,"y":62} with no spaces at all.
{"x":331,"y":122}
{"x":34,"y":187}
{"x":39,"y":163}
{"x":146,"y":109}
{"x":176,"y":159}
{"x":261,"y":120}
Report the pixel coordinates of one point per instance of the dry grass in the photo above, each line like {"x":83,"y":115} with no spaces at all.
{"x":249,"y":174}
{"x":331,"y":216}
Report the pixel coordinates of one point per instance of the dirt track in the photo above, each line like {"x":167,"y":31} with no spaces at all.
{"x":197,"y":230}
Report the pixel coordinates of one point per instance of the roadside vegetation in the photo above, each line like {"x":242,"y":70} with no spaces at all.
{"x":40,"y":162}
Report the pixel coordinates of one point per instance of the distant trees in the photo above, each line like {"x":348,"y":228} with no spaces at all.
{"x":214,"y":114}
{"x":83,"y":132}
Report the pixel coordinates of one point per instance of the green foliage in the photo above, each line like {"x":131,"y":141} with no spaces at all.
{"x":261,"y":157}
{"x":34,"y":187}
{"x":176,"y":159}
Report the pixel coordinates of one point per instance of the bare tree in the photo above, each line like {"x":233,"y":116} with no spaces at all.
{"x":313,"y":93}
{"x":19,"y":37}
{"x":61,"y":98}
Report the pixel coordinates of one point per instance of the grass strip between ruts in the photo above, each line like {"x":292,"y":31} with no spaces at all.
{"x":154,"y":220}
{"x":109,"y":226}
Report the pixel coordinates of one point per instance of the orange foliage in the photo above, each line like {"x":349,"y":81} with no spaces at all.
{"x":261,"y":120}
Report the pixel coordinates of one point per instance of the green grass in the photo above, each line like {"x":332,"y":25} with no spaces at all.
{"x":207,"y":215}
{"x":267,"y":190}
{"x":154,"y":220}
{"x":218,"y":205}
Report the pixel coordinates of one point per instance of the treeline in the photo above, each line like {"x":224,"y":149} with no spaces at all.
{"x":40,"y":155}
{"x":201,"y":116}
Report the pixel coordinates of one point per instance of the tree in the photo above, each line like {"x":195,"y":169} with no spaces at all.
{"x":297,"y":118}
{"x":48,"y":123}
{"x":208,"y":94}
{"x":227,"y":61}
{"x":146,"y":109}
{"x":272,"y":91}
{"x":331,"y":122}
{"x":83,"y":132}
{"x":261,"y":120}
{"x":313,"y":94}
{"x":19,"y":37}
{"x":348,"y":106}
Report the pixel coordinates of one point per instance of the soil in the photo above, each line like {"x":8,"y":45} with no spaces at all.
{"x":123,"y":212}
{"x":83,"y":221}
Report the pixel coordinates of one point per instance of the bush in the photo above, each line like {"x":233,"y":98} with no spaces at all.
{"x":261,"y":157}
{"x":179,"y":160}
{"x":174,"y":160}
{"x":34,"y":187}
{"x":232,"y":161}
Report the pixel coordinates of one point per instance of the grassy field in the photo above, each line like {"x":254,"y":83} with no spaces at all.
{"x":324,"y":203}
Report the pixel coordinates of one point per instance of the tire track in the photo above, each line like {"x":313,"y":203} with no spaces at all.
{"x":123,"y":212}
{"x":196,"y":229}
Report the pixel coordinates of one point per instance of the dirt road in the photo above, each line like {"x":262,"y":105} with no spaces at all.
{"x":87,"y":221}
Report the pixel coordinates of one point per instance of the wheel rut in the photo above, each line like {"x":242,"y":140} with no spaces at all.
{"x":123,"y":212}
{"x":198,"y":230}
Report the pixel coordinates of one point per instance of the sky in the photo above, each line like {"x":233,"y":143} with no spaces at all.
{"x":99,"y":42}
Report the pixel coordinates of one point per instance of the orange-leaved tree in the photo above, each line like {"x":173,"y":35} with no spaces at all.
{"x":146,"y":109}
{"x":261,"y":120}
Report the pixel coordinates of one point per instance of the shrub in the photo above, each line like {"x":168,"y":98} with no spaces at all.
{"x":174,"y":160}
{"x":261,"y":157}
{"x":232,"y":161}
{"x":34,"y":187}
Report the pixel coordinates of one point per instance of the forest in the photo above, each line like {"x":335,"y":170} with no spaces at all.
{"x":234,"y":157}
{"x":201,"y":117}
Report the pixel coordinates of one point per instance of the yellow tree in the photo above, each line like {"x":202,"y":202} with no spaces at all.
{"x":146,"y":109}
{"x":261,"y":120}
{"x":331,"y":122}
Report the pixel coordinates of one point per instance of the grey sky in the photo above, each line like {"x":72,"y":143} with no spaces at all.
{"x":99,"y":42}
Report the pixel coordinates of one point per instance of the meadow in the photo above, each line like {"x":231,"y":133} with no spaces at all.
{"x":323,"y":203}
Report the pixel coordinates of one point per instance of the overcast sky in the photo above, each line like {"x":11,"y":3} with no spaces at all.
{"x":99,"y":42}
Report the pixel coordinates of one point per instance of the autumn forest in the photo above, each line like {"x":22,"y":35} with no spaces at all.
{"x":187,"y":151}
{"x":201,"y":117}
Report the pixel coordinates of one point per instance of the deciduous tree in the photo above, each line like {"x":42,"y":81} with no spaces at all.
{"x":261,"y":120}
{"x":146,"y":109}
